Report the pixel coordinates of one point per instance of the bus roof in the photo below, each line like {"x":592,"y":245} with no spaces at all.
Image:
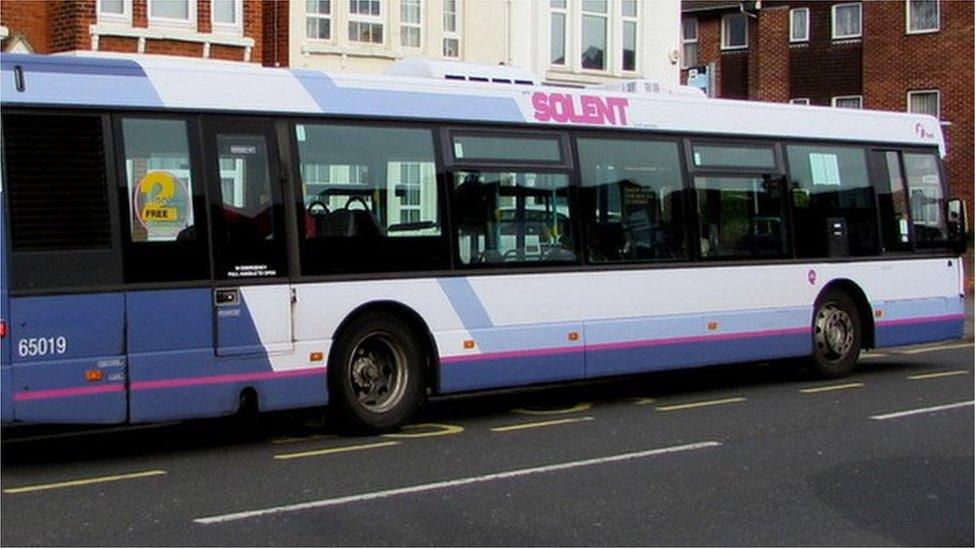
{"x":159,"y":82}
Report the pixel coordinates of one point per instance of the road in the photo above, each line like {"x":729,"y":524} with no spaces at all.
{"x":755,"y":454}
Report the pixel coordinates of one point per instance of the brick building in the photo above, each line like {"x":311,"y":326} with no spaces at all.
{"x":905,"y":55}
{"x":218,"y":29}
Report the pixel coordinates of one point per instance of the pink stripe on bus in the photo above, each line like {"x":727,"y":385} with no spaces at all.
{"x":69,"y":392}
{"x":921,"y":320}
{"x":225,"y":378}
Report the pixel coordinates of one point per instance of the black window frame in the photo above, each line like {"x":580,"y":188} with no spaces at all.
{"x":772,"y":144}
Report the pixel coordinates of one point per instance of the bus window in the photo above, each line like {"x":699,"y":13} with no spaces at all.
{"x":927,"y":200}
{"x":741,"y":217}
{"x":504,"y":217}
{"x":831,"y":186}
{"x":892,"y":201}
{"x":760,"y":157}
{"x":60,"y":203}
{"x":531,"y":149}
{"x":633,"y":200}
{"x":162,"y":205}
{"x":371,"y":199}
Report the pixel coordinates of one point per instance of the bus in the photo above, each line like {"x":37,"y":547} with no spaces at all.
{"x":186,"y":239}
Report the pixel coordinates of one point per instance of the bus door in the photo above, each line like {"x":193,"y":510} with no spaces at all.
{"x":252,"y":300}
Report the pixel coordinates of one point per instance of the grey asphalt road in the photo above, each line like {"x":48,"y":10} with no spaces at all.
{"x":754,"y":454}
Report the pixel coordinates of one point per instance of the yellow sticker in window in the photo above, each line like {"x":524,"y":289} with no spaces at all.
{"x":161,"y":203}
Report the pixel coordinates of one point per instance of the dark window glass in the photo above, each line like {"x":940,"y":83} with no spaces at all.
{"x":557,"y":38}
{"x":832,"y":195}
{"x":513,"y":149}
{"x":893,"y":202}
{"x":630,"y":46}
{"x":371,"y":199}
{"x":165,"y":239}
{"x":741,"y":217}
{"x":60,"y":203}
{"x":927,"y":199}
{"x":512,"y":217}
{"x":248,"y":224}
{"x":733,"y":156}
{"x":632,"y":199}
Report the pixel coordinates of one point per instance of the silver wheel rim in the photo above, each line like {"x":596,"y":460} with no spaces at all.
{"x":833,"y":332}
{"x":378,"y":372}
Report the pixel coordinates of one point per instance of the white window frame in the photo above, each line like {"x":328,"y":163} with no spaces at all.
{"x":608,"y":45}
{"x":833,"y":21}
{"x":236,"y":28}
{"x":938,"y":101}
{"x":908,"y":19}
{"x":189,"y":23}
{"x":725,"y":34}
{"x":834,"y":100}
{"x":369,"y":20}
{"x":452,"y":35}
{"x":688,"y":41}
{"x":800,"y":101}
{"x":806,"y":31}
{"x":124,"y":18}
{"x":564,"y":11}
{"x":316,"y":15}
{"x":419,"y":25}
{"x":635,"y":19}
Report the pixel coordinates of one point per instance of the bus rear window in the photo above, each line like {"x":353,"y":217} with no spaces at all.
{"x":926,"y":198}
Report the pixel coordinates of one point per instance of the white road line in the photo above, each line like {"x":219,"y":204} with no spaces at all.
{"x":939,"y":348}
{"x":452,"y":483}
{"x":930,"y":409}
{"x":124,"y":429}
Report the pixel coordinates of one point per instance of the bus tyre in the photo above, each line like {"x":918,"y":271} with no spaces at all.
{"x":836,"y":335}
{"x":376,"y":379}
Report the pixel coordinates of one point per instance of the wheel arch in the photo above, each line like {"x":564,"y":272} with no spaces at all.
{"x":864,"y":311}
{"x":416,"y":324}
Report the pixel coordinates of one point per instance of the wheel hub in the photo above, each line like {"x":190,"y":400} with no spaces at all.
{"x":834,"y":332}
{"x":378,"y":373}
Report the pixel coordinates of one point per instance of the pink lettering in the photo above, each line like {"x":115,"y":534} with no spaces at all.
{"x":583,"y":109}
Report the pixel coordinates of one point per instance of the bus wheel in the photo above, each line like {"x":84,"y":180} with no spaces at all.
{"x":376,"y":380}
{"x":836,"y":335}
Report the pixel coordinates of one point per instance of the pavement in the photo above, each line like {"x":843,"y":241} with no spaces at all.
{"x":750,"y":454}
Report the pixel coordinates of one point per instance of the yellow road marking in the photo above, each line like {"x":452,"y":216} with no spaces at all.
{"x":939,"y":348}
{"x":288,"y":440}
{"x":873,"y":354}
{"x":581,"y":407}
{"x":831,"y":388}
{"x":338,"y":450}
{"x":640,"y":401}
{"x":82,"y":482}
{"x":932,"y":375}
{"x":442,"y":430}
{"x":519,"y":426}
{"x":702,"y":404}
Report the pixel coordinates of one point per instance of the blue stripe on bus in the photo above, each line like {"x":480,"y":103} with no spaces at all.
{"x":92,"y":82}
{"x":465,"y":302}
{"x":333,"y":99}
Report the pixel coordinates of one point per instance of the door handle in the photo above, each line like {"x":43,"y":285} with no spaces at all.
{"x":227,"y":297}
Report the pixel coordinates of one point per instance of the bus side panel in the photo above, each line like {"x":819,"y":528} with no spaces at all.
{"x":907,"y":322}
{"x":175,"y":373}
{"x":69,"y":361}
{"x":615,"y":347}
{"x":6,"y":375}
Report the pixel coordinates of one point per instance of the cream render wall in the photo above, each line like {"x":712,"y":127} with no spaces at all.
{"x":512,"y":32}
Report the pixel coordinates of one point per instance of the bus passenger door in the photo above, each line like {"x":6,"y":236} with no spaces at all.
{"x":252,"y":299}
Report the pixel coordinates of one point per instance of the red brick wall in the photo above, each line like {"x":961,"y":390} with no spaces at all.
{"x":274,"y":18}
{"x":31,"y":19}
{"x":822,"y":68}
{"x":771,"y":56}
{"x":896,"y":63}
{"x":53,"y":26}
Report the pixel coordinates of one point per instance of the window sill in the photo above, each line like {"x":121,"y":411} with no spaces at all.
{"x":734,"y":49}
{"x":926,"y":31}
{"x":355,"y":49}
{"x":171,"y":33}
{"x":845,"y":39}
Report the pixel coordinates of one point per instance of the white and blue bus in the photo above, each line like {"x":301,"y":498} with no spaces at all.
{"x":185,"y":239}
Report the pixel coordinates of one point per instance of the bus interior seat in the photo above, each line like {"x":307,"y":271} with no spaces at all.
{"x":348,"y":223}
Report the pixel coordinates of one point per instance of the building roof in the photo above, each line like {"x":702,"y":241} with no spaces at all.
{"x":697,"y":6}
